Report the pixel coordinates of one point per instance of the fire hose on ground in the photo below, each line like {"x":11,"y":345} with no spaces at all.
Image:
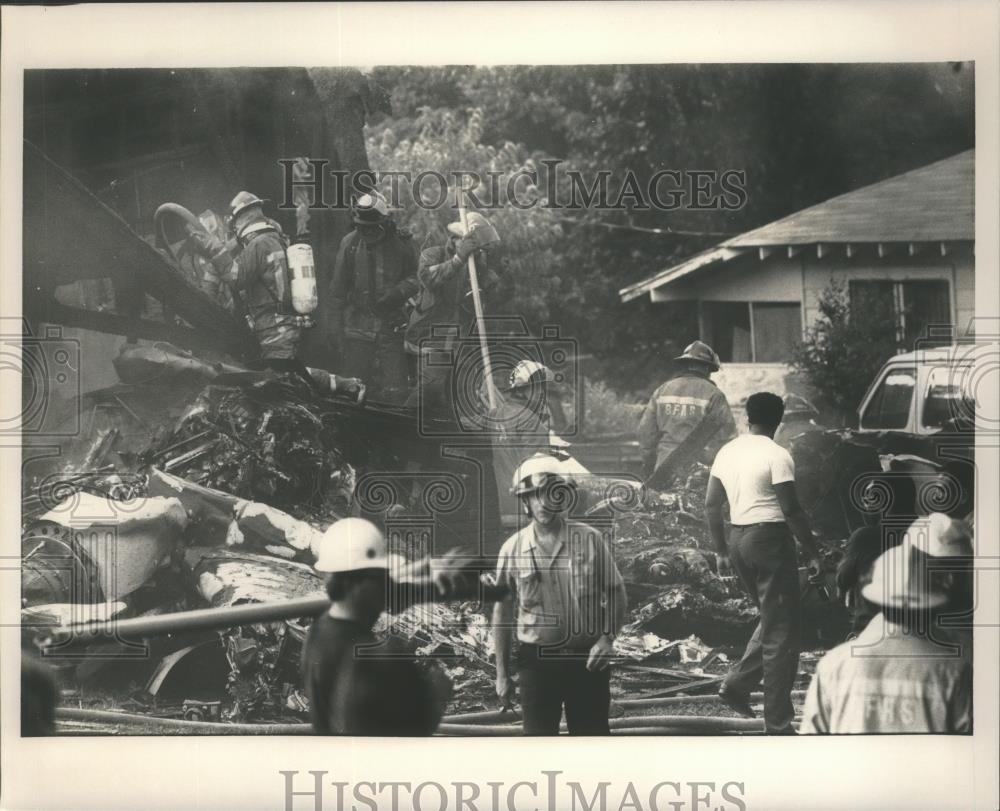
{"x":652,"y":724}
{"x":475,"y":723}
{"x":489,"y":723}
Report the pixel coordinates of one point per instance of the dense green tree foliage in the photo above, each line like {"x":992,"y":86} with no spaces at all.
{"x":801,"y":133}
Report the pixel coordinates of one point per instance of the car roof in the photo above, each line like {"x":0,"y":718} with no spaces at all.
{"x":956,"y":353}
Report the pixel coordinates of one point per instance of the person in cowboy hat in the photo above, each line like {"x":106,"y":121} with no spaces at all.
{"x":566,"y":605}
{"x":375,"y":273}
{"x":443,"y":311}
{"x":898,"y":675}
{"x":686,"y":419}
{"x":947,"y":542}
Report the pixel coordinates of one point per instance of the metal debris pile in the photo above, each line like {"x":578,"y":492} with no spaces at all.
{"x":662,"y":547}
{"x":235,"y":489}
{"x":686,"y":623}
{"x":261,"y":442}
{"x":457,"y":637}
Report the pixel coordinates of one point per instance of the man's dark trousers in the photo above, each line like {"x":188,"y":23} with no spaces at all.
{"x":764,"y":557}
{"x":546,"y":683}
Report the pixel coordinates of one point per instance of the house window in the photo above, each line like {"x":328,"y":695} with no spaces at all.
{"x":726,"y":328}
{"x":777,"y":328}
{"x":752,"y":331}
{"x":913,"y":305}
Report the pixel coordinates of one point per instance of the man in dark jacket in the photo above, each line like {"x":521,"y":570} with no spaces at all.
{"x":444,"y":309}
{"x":260,"y":274}
{"x":687,"y":419}
{"x":358,"y":684}
{"x":374,"y":275}
{"x":261,"y":278}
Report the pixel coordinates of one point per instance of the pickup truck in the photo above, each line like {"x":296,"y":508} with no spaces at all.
{"x":932,"y":391}
{"x":918,"y":418}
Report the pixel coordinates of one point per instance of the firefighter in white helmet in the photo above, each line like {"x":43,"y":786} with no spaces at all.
{"x":533,"y":387}
{"x":902,"y":674}
{"x":947,"y":542}
{"x":567,"y":604}
{"x":357,"y":684}
{"x":520,"y":425}
{"x":260,"y":276}
{"x":686,"y":420}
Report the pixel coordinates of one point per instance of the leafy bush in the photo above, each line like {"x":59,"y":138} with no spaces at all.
{"x":607,"y":413}
{"x":845,"y":348}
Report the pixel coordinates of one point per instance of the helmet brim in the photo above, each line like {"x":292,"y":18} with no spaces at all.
{"x":711,"y":364}
{"x":259,"y":203}
{"x":554,"y":480}
{"x":874,"y":592}
{"x":388,"y":562}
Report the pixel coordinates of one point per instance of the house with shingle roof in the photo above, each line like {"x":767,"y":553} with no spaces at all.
{"x":908,"y":240}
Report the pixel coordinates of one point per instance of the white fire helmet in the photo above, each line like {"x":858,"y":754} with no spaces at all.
{"x":370,"y":209}
{"x":900,"y":579}
{"x":522,"y":374}
{"x":351,"y":544}
{"x":940,"y":536}
{"x":537,"y":472}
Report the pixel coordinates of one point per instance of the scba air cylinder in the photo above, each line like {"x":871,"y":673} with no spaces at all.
{"x":303,"y":272}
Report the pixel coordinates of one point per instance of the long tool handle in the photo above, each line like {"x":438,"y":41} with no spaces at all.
{"x":477,"y":302}
{"x":201,"y":619}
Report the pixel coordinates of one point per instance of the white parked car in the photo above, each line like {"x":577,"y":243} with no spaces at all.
{"x":931,"y":390}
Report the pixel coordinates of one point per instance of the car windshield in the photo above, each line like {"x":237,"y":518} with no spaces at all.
{"x":889,"y":407}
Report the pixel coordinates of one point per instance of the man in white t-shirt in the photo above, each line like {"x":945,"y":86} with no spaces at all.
{"x":757,"y":477}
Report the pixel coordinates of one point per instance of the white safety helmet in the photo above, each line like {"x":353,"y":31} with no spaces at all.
{"x":900,"y":580}
{"x":528,"y":370}
{"x":940,"y":536}
{"x":351,"y":544}
{"x":370,"y":209}
{"x":557,"y":442}
{"x":537,"y":472}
